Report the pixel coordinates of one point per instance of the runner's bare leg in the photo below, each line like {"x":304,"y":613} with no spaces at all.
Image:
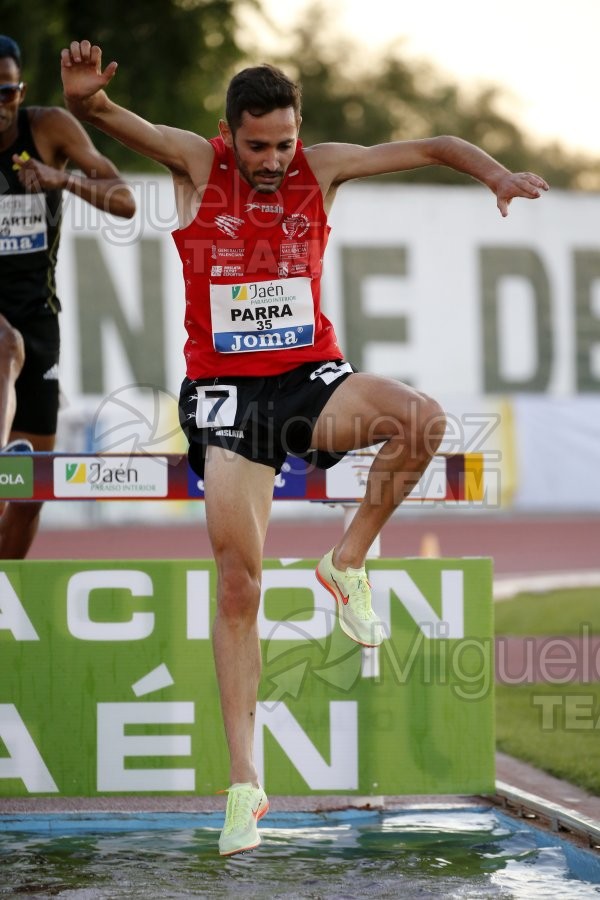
{"x":365,"y":410}
{"x":12,"y":357}
{"x":238,"y":496}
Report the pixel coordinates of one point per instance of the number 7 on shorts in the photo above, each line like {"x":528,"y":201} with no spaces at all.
{"x":217,"y":405}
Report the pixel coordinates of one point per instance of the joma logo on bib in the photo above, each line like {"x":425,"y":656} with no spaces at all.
{"x":264,"y":340}
{"x":21,"y":244}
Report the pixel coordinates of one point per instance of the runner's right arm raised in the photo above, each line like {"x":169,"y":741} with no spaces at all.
{"x":84,"y":85}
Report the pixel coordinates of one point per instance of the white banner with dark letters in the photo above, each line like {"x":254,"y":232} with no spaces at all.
{"x":426,"y":284}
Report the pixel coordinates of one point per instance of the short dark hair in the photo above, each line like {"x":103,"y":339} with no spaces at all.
{"x":10,"y":48}
{"x":260,"y":90}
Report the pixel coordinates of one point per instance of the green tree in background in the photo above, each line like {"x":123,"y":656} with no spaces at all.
{"x":348,"y":98}
{"x":177,"y":56}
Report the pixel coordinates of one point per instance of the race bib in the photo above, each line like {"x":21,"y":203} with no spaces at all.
{"x":23,"y":226}
{"x":262,"y":315}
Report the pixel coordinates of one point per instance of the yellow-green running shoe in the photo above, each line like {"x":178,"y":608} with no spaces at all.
{"x":352,"y":593}
{"x":245,"y":806}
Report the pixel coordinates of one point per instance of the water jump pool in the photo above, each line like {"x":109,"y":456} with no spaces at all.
{"x":462,"y":852}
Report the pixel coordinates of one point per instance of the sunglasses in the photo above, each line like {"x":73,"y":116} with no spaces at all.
{"x":8,"y":92}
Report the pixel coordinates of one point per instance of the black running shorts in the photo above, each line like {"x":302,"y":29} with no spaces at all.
{"x":37,"y":385}
{"x":262,"y":418}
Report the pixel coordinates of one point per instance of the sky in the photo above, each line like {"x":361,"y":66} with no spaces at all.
{"x":542,"y":52}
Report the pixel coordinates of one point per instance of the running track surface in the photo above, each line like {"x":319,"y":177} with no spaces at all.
{"x":518,"y":545}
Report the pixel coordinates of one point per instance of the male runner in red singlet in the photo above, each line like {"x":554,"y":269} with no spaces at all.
{"x":265,"y":375}
{"x":35,"y":144}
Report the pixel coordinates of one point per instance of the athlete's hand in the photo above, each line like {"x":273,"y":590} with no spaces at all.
{"x":518,"y":184}
{"x":36,"y":176}
{"x":81,"y":71}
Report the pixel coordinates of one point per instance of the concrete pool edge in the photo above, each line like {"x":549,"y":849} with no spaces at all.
{"x":556,"y":818}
